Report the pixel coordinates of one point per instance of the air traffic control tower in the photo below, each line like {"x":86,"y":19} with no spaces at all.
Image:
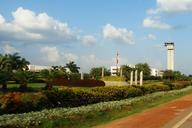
{"x":170,"y":55}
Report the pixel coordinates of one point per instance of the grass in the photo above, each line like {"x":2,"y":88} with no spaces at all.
{"x":113,"y":78}
{"x":108,"y":116}
{"x":30,"y":85}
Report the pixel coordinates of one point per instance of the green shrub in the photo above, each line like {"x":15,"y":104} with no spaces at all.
{"x":117,"y":93}
{"x":177,"y":84}
{"x":169,"y":83}
{"x":17,"y":102}
{"x":36,"y":119}
{"x":155,"y":88}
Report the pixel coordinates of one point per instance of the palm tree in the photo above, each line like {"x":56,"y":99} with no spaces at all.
{"x":4,"y":77}
{"x":10,"y":63}
{"x":22,"y":77}
{"x":5,"y":70}
{"x":49,"y":75}
{"x":72,"y":67}
{"x":18,"y":63}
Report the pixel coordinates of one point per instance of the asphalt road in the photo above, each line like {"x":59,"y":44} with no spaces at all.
{"x":187,"y":123}
{"x":183,"y":119}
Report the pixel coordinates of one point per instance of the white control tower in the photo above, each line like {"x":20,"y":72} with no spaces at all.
{"x":170,"y":55}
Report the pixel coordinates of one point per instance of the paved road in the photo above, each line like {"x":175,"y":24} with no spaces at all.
{"x":187,"y":123}
{"x":174,"y":114}
{"x":183,"y":119}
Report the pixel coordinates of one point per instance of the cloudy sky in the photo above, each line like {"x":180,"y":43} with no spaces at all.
{"x":90,"y":32}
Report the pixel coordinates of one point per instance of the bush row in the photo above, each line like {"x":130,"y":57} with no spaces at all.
{"x":78,"y":83}
{"x":17,"y":102}
{"x":35,"y":119}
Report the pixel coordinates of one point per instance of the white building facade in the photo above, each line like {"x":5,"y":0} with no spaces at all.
{"x":156,"y":72}
{"x":37,"y":68}
{"x":114,"y":70}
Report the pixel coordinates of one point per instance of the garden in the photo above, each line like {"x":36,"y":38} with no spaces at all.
{"x":56,"y":98}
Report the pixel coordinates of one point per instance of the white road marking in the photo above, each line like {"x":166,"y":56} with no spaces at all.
{"x":177,"y":125}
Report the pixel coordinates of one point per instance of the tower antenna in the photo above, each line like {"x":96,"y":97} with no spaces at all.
{"x":117,"y":61}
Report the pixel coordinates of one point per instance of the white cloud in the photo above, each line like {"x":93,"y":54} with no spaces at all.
{"x":2,"y":20}
{"x":51,"y":53}
{"x":151,"y":37}
{"x":89,"y":61}
{"x":89,"y":40}
{"x":70,"y":57}
{"x":29,"y":26}
{"x":118,"y":34}
{"x":155,"y":23}
{"x":172,"y":6}
{"x":9,"y":49}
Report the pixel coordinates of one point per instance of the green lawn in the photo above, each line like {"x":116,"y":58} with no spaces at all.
{"x":30,"y":85}
{"x":35,"y":87}
{"x":113,"y":78}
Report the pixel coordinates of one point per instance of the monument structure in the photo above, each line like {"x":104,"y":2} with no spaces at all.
{"x":170,"y":55}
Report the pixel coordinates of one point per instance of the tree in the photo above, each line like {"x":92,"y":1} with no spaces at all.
{"x":174,"y":75}
{"x":145,"y":68}
{"x":22,"y":77}
{"x":49,"y":75}
{"x":96,"y":72}
{"x":4,"y":77}
{"x":5,"y":70}
{"x":17,"y":62}
{"x":126,"y":71}
{"x":11,"y":63}
{"x":72,"y":67}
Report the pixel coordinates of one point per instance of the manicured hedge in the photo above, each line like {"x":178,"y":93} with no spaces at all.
{"x":78,"y":83}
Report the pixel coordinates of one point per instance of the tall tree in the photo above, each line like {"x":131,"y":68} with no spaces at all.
{"x":96,"y":72}
{"x":72,"y":67}
{"x":48,"y":75}
{"x":10,"y":63}
{"x":22,"y":77}
{"x":18,"y":63}
{"x":4,"y":77}
{"x":145,"y":68}
{"x":174,"y":75}
{"x":126,"y":71}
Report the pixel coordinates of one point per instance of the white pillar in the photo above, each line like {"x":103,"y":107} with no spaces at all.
{"x":136,"y":77}
{"x":141,"y":78}
{"x":121,"y":72}
{"x":102,"y":73}
{"x":82,"y":77}
{"x":131,"y":78}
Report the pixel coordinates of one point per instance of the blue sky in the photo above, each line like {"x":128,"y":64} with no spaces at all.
{"x":90,"y":33}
